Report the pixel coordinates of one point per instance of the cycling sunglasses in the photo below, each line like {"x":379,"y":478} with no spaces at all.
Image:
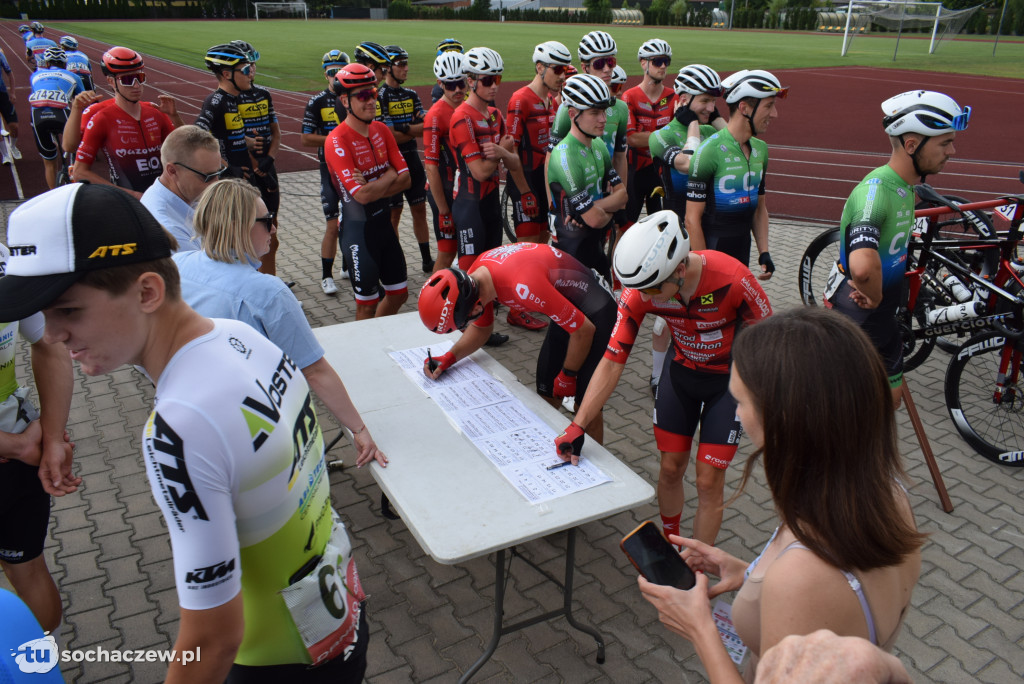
{"x":248,"y":69}
{"x":365,"y":95}
{"x":651,"y":291}
{"x":267,"y":221}
{"x":128,"y":80}
{"x":661,"y":61}
{"x":960,"y":120}
{"x":455,"y":85}
{"x":559,"y":69}
{"x":488,"y":81}
{"x":207,"y":177}
{"x":602,"y":63}
{"x":401,"y":65}
{"x":331,"y":72}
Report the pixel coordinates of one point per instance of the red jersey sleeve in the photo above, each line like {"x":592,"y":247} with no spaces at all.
{"x":753,"y":304}
{"x":628,"y":319}
{"x":431,"y":138}
{"x":629,"y":97}
{"x":516,"y":119}
{"x":94,"y":137}
{"x":341,"y":161}
{"x":462,"y":135}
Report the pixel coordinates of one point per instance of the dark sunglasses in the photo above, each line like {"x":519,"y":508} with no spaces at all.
{"x":488,"y":81}
{"x":455,"y":85}
{"x":401,"y":65}
{"x":207,"y":177}
{"x":332,"y":71}
{"x":602,"y":63}
{"x":364,"y":95}
{"x":661,"y":61}
{"x":128,"y":80}
{"x":559,"y":69}
{"x":267,"y":221}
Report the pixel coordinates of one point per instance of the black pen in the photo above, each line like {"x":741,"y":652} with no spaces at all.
{"x":431,"y":364}
{"x":559,"y":465}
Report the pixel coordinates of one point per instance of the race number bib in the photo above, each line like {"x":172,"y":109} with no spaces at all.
{"x":325,"y":604}
{"x":835,"y":279}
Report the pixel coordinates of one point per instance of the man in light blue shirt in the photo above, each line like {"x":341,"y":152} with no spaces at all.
{"x":191,"y":160}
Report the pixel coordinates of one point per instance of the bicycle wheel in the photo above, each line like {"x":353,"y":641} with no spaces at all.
{"x":816,"y":264}
{"x":507,"y":221}
{"x":989,"y":418}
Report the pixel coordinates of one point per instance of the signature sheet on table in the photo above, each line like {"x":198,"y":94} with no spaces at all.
{"x":513,"y":438}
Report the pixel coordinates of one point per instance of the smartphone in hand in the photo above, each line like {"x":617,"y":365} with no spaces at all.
{"x":655,"y":558}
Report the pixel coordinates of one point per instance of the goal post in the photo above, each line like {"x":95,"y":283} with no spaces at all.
{"x":901,"y":15}
{"x":279,"y":10}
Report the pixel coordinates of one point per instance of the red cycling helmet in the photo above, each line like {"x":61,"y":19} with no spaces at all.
{"x":354,"y":76}
{"x":121,"y":60}
{"x":446,"y":300}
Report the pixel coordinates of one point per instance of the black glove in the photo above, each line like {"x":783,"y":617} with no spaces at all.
{"x":402,"y":128}
{"x":714,"y":115}
{"x":685,"y":116}
{"x":766,"y":260}
{"x":265,"y":164}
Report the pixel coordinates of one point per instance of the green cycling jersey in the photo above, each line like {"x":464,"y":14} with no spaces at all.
{"x":614,"y":128}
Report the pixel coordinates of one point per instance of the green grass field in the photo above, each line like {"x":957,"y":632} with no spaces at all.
{"x":291,"y":50}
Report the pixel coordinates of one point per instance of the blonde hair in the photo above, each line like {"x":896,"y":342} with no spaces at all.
{"x":224,"y":217}
{"x":184,"y":141}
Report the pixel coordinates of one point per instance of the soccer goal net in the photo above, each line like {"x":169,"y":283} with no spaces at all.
{"x":900,"y":17}
{"x":280,"y":10}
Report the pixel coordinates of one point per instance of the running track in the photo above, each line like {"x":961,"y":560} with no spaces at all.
{"x":827,"y":137}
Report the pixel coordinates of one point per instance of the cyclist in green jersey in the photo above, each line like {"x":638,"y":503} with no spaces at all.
{"x":579,"y":171}
{"x":878,"y":219}
{"x":725,"y":192}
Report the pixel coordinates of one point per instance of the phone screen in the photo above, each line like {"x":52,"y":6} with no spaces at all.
{"x":656,"y":559}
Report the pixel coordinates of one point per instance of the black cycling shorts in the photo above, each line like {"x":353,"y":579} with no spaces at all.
{"x":556,"y":342}
{"x":587,"y":246}
{"x":48,"y":126}
{"x":338,"y":670}
{"x":688,"y":398}
{"x":7,"y":108}
{"x":24,"y":513}
{"x":534,"y":179}
{"x":477,"y":223}
{"x":736,"y":246}
{"x":372,"y":254}
{"x":416,"y":193}
{"x":880,"y":325}
{"x":270,"y":189}
{"x":446,"y":242}
{"x":328,"y":195}
{"x":639,"y":187}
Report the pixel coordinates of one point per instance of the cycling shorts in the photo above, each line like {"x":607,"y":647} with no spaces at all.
{"x":588,"y":247}
{"x":556,"y":342}
{"x":416,"y":193}
{"x":526,"y":226}
{"x":736,"y":246}
{"x":24,"y":513}
{"x":477,"y":225}
{"x":329,"y":199}
{"x":688,"y":398}
{"x":7,"y":108}
{"x":270,"y":189}
{"x":48,"y":126}
{"x":641,"y":184}
{"x":880,"y":325}
{"x":349,"y":667}
{"x":373,"y":257}
{"x":446,"y":242}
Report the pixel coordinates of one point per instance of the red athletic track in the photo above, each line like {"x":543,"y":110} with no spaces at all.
{"x":827,"y":137}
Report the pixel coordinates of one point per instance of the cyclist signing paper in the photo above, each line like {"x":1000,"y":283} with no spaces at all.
{"x":878,"y":219}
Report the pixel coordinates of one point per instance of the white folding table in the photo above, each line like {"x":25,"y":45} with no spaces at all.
{"x":453,"y":500}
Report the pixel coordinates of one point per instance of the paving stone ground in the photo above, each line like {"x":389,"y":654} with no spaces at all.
{"x":109,"y":552}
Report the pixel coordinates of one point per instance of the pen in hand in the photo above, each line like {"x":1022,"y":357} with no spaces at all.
{"x":431,"y":363}
{"x":559,"y":465}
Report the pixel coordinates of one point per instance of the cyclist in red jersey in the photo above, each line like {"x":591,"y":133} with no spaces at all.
{"x":367,"y":168}
{"x":650,"y":107}
{"x":438,"y":161}
{"x":130,"y":131}
{"x":526,"y":277}
{"x":705,"y":297}
{"x":530,"y":114}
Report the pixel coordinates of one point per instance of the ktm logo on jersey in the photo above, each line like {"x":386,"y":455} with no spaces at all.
{"x":114,"y":250}
{"x":252,"y":110}
{"x":233,"y":121}
{"x":664,"y":101}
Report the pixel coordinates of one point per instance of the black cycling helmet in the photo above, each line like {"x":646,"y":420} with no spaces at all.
{"x":36,"y":27}
{"x":396,"y":53}
{"x":121,"y":60}
{"x":334,"y":58}
{"x":372,"y":54}
{"x":225,"y":56}
{"x":449,"y":45}
{"x":251,"y":53}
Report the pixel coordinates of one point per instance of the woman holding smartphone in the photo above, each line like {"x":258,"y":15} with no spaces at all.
{"x":813,"y":397}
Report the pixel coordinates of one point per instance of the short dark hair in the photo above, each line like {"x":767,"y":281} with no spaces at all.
{"x":830,"y":448}
{"x":118,"y":279}
{"x":733,"y":106}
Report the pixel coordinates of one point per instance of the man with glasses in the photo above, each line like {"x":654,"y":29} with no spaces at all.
{"x":705,"y":297}
{"x":191,"y":160}
{"x":867,"y":282}
{"x":650,"y":107}
{"x":402,"y":112}
{"x":323,"y":113}
{"x":446,"y":45}
{"x":219,"y":113}
{"x":438,"y":159}
{"x":129,"y":131}
{"x":725,"y":200}
{"x":374,"y":56}
{"x":367,"y":169}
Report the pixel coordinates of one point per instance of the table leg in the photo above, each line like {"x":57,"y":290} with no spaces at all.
{"x":570,"y":569}
{"x":499,"y":608}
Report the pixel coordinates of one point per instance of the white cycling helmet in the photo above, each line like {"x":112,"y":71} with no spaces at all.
{"x":586,"y":91}
{"x":655,"y":47}
{"x":448,"y":66}
{"x":697,"y":79}
{"x":482,"y":61}
{"x":925,"y":112}
{"x":597,"y":44}
{"x":618,"y":75}
{"x":552,"y":52}
{"x":752,"y":83}
{"x":648,"y":253}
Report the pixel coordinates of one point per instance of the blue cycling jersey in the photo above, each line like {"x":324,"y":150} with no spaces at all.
{"x":37,"y":45}
{"x":78,"y":63}
{"x":54,"y":88}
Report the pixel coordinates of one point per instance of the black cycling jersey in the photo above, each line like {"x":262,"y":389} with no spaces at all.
{"x":399,"y":108}
{"x":219,"y":115}
{"x":323,"y":113}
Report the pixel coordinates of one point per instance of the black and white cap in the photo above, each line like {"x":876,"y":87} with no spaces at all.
{"x":57,"y":237}
{"x":586,"y":91}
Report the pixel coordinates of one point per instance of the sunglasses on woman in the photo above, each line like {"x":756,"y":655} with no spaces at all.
{"x":267,"y":221}
{"x":488,"y":81}
{"x":129,"y":80}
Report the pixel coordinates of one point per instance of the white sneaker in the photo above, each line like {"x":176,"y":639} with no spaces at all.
{"x":328,"y":286}
{"x":15,"y":152}
{"x":344,"y":274}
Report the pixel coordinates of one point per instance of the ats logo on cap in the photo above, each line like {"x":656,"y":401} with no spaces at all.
{"x":113,"y":250}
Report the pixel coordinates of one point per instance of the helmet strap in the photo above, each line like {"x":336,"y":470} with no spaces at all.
{"x":117,"y":91}
{"x":750,"y":117}
{"x":913,"y":156}
{"x":576,"y":123}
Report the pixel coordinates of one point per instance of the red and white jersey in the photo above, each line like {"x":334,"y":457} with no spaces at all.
{"x":132,"y":146}
{"x":347,"y":151}
{"x":646,"y":117}
{"x":529,"y":123}
{"x":469,"y":129}
{"x":437,"y":149}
